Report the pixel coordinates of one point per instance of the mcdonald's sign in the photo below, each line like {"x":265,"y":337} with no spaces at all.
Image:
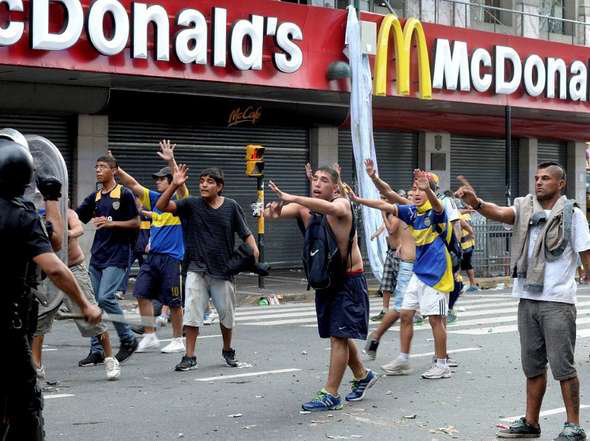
{"x":391,"y":29}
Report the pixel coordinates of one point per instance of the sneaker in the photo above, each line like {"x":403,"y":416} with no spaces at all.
{"x":571,"y":432}
{"x":176,"y":345}
{"x":126,"y":350}
{"x":451,"y":362}
{"x":371,"y":347}
{"x":92,"y":359}
{"x":323,"y":401}
{"x":207,"y":320}
{"x":41,"y":374}
{"x":111,"y":365}
{"x":472,"y":288}
{"x":452,"y":317}
{"x":520,"y":429}
{"x":149,"y":341}
{"x":418,"y":319}
{"x":138,"y":329}
{"x":162,"y":321}
{"x":397,"y":367}
{"x":378,"y":317}
{"x":120,"y":295}
{"x":186,"y":364}
{"x":436,"y":373}
{"x":360,"y":387}
{"x":230,"y":357}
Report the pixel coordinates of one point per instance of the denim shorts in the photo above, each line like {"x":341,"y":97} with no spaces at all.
{"x":406,"y":269}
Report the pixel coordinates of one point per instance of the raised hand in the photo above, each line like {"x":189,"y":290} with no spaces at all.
{"x":370,"y":167}
{"x":466,"y":192}
{"x":181,"y":175}
{"x":421,"y":179}
{"x":166,"y":150}
{"x":285,"y":197}
{"x":309,"y":171}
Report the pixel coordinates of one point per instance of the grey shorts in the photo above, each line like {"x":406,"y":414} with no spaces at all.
{"x":199,"y":289}
{"x":547,"y":333}
{"x":80,"y":272}
{"x":45,"y":322}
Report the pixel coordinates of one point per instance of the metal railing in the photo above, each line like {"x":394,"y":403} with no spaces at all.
{"x":472,"y":14}
{"x":491,"y":256}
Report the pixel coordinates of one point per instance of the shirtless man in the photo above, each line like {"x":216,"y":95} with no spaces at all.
{"x":391,"y":267}
{"x":342,"y":310}
{"x":407,"y":255}
{"x":78,"y":268}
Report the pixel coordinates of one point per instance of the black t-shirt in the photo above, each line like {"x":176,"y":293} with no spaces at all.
{"x":23,"y":237}
{"x":111,"y":246}
{"x":209,"y":233}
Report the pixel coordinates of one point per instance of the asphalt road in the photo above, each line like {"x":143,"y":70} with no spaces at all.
{"x":287,"y":364}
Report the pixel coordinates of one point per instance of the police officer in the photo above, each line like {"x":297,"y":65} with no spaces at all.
{"x":26,"y":246}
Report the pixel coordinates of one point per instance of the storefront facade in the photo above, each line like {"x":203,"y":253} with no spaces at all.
{"x":214,"y":76}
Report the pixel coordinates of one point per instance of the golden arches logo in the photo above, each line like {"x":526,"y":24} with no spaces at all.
{"x":391,"y":27}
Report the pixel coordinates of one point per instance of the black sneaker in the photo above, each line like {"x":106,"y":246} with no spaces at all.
{"x":186,"y":364}
{"x":571,"y":432}
{"x":126,"y":350}
{"x":230,"y":357}
{"x":138,"y":329}
{"x":93,"y":359}
{"x":520,"y":429}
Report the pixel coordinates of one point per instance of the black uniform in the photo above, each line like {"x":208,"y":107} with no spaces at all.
{"x":23,"y":237}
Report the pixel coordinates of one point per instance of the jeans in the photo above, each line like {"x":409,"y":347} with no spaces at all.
{"x":133,"y":256}
{"x":105,"y":283}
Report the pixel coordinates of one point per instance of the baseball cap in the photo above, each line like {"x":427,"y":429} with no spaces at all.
{"x":434,"y":178}
{"x":162,"y":173}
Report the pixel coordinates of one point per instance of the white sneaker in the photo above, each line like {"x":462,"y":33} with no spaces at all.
{"x":111,"y":365}
{"x":436,"y":372}
{"x":149,"y":341}
{"x":41,"y":373}
{"x":162,"y":321}
{"x":120,"y":295}
{"x":176,"y":345}
{"x":397,"y":367}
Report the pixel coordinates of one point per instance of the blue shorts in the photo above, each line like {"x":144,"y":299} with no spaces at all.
{"x":343,"y":311}
{"x":159,"y":278}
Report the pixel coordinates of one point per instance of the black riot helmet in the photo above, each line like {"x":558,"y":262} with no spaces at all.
{"x":16,"y":169}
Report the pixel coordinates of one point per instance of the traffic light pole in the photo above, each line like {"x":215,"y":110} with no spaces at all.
{"x":260,"y":188}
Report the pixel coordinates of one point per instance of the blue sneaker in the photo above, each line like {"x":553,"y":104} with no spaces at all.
{"x":360,"y":387}
{"x":323,"y":401}
{"x":472,"y":289}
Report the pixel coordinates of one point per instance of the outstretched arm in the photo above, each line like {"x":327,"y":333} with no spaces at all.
{"x":374,"y":203}
{"x":128,"y":181}
{"x":180,"y":177}
{"x":335,"y":208}
{"x":280,"y":210}
{"x":487,"y":209}
{"x":383,"y":187}
{"x":167,"y":154}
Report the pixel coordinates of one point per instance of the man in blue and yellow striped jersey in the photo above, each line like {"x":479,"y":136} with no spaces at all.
{"x":160,"y":276}
{"x":433,"y":274}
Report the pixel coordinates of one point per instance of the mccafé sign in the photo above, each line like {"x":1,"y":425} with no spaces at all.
{"x":482,"y":70}
{"x":242,"y":45}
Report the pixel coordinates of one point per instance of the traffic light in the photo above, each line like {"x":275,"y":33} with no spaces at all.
{"x":254,"y":160}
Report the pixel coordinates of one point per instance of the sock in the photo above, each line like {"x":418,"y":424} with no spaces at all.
{"x":404,"y":356}
{"x":441,"y":362}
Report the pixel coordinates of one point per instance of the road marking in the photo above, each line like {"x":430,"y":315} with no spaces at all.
{"x":507,"y":328}
{"x":198,"y":338}
{"x":250,"y":374}
{"x":452,"y":351}
{"x":49,"y":397}
{"x":544,"y":413}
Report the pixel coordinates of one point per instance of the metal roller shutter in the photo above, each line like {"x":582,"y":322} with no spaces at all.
{"x":58,"y":129}
{"x":397,"y":157}
{"x":552,"y":151}
{"x":482,"y":162}
{"x":134,"y":144}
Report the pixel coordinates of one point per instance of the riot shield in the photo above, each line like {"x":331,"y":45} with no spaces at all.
{"x":49,"y":162}
{"x":15,"y":136}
